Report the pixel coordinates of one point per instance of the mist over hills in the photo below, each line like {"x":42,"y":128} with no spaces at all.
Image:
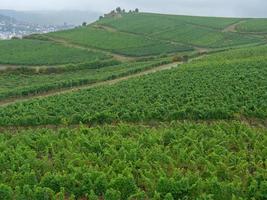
{"x":71,"y":17}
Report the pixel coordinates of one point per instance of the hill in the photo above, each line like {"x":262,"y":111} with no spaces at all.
{"x":197,"y":32}
{"x":136,"y":106}
{"x":208,"y":89}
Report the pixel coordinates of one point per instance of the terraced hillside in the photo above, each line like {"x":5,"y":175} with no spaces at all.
{"x":208,"y":89}
{"x":195,"y":31}
{"x":143,"y":34}
{"x":34,"y":52}
{"x":138,"y":106}
{"x":253,"y":26}
{"x":119,"y":42}
{"x":37,"y":81}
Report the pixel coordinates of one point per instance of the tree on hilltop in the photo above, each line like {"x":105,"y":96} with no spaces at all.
{"x":118,"y":9}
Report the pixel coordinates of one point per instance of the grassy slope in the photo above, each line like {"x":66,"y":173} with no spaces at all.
{"x":222,"y":160}
{"x":118,"y":42}
{"x":149,"y":23}
{"x":151,"y":34}
{"x":20,"y":83}
{"x":201,"y":90}
{"x":253,"y":25}
{"x":34,"y":52}
{"x":199,"y":31}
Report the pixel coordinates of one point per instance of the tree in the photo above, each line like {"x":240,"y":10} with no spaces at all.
{"x":101,"y":17}
{"x":136,"y":10}
{"x":84,"y":24}
{"x":118,"y":9}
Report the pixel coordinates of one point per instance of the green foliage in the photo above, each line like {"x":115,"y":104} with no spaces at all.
{"x":168,"y":197}
{"x":35,"y":52}
{"x":26,"y":82}
{"x":43,"y":193}
{"x":5,"y":192}
{"x":92,"y":195}
{"x":125,"y":185}
{"x":205,"y":37}
{"x":205,"y":89}
{"x":151,"y":23}
{"x":198,"y":31}
{"x":112,"y":194}
{"x":118,"y":42}
{"x":253,"y":25}
{"x":222,"y":160}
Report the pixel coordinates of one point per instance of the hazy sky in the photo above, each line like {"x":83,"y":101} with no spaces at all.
{"x":238,"y":8}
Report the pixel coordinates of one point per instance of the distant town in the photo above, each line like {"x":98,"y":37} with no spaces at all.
{"x":11,"y":28}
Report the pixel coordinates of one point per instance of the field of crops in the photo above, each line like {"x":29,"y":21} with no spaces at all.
{"x":34,"y":52}
{"x":198,"y":36}
{"x":201,"y":90}
{"x":150,"y":23}
{"x":253,"y":25}
{"x":258,"y":52}
{"x":173,"y":161}
{"x":25,"y":82}
{"x":118,"y":42}
{"x":198,"y":31}
{"x":197,"y":131}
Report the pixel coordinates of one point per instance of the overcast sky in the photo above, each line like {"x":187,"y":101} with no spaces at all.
{"x":237,"y":8}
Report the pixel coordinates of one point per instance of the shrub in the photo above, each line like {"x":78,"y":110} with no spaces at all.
{"x":126,"y":186}
{"x":5,"y":192}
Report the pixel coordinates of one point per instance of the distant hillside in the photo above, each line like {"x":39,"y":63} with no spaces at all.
{"x":145,"y":34}
{"x":52,"y":17}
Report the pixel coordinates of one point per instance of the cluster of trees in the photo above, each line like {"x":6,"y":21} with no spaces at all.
{"x":117,"y":12}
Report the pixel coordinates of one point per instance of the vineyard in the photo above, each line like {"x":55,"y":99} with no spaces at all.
{"x":34,"y":52}
{"x":254,"y":25}
{"x":33,"y":82}
{"x":172,"y":161}
{"x":201,"y":90}
{"x":150,"y":23}
{"x":196,"y":31}
{"x":204,"y":37}
{"x":135,"y":107}
{"x":118,"y":42}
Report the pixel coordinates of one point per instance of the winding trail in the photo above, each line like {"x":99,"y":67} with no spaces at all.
{"x":233,"y":27}
{"x":10,"y":101}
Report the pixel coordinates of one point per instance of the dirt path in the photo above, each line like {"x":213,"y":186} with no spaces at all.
{"x":4,"y":67}
{"x":102,"y":83}
{"x":72,"y":45}
{"x":233,"y":28}
{"x":252,"y":122}
{"x":107,"y":28}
